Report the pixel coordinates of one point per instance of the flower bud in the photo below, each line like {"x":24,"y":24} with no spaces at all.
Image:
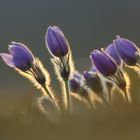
{"x":93,"y":81}
{"x":20,"y":57}
{"x":111,"y":51}
{"x":56,"y":42}
{"x":127,"y":50}
{"x":103,"y":63}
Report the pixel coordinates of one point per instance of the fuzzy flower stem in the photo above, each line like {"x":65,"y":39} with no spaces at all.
{"x":48,"y":92}
{"x":109,"y":96}
{"x":126,"y":96}
{"x":51,"y":97}
{"x":68,"y":102}
{"x":90,"y":103}
{"x":105,"y":101}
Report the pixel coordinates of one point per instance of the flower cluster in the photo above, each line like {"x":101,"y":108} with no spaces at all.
{"x":107,"y":71}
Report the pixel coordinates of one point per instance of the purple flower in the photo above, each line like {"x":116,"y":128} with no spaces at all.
{"x":103,"y":63}
{"x":19,"y":56}
{"x":74,"y":82}
{"x":107,"y":67}
{"x":111,"y":51}
{"x":74,"y":85}
{"x":56,"y":42}
{"x":93,"y":81}
{"x":127,"y":50}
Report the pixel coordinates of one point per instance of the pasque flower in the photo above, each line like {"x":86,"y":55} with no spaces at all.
{"x":58,"y":46}
{"x":98,"y":85}
{"x":103,"y":63}
{"x":93,"y":81}
{"x":75,"y":85}
{"x":127,"y":50}
{"x":112,"y":52}
{"x":19,"y":56}
{"x":56,"y":42}
{"x":108,"y":69}
{"x":75,"y":82}
{"x":106,"y":85}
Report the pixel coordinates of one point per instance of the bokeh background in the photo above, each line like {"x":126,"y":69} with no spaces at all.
{"x":88,"y":24}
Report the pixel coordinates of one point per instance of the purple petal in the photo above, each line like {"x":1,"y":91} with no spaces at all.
{"x":103,"y":63}
{"x":77,"y":76}
{"x":86,"y":75}
{"x":93,"y":69}
{"x":112,"y":52}
{"x":127,"y":50}
{"x":8,"y":59}
{"x":56,"y":42}
{"x":93,"y":80}
{"x":58,"y":30}
{"x":20,"y":51}
{"x":74,"y":85}
{"x":90,"y":76}
{"x":22,"y":57}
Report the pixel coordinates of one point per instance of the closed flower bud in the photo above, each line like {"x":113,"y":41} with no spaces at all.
{"x":127,"y":50}
{"x":75,"y":82}
{"x":112,"y":52}
{"x":74,"y":85}
{"x":56,"y":42}
{"x":93,"y":81}
{"x":107,"y":67}
{"x":103,"y":63}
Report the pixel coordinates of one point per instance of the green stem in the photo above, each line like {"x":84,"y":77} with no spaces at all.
{"x":68,"y":102}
